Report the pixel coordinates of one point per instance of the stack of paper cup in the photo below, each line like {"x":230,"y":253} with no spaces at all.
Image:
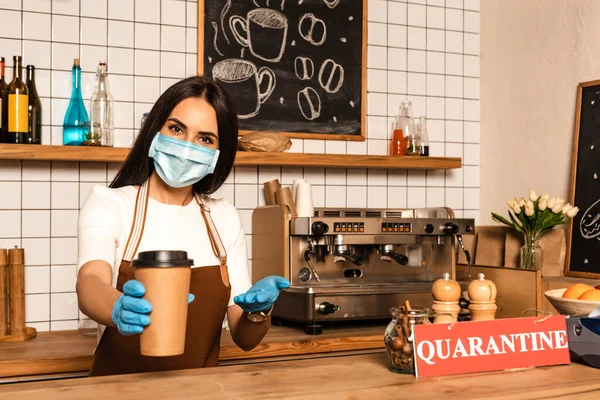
{"x":304,"y":200}
{"x":294,"y":186}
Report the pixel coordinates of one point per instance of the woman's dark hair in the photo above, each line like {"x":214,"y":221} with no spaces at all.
{"x":138,"y":166}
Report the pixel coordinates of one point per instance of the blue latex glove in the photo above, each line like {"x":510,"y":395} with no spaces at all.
{"x":130,"y":312}
{"x":262,"y":295}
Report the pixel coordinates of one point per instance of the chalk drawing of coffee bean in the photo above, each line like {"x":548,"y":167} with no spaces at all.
{"x":304,"y":68}
{"x":306,"y":28}
{"x":334,"y":78}
{"x":309,"y":103}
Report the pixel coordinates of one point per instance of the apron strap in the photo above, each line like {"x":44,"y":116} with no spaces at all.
{"x":139,"y":219}
{"x":215,"y":241}
{"x":213,"y":234}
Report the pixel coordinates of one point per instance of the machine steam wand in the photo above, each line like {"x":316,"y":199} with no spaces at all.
{"x":452,"y":229}
{"x":467,"y":254}
{"x":307,"y":253}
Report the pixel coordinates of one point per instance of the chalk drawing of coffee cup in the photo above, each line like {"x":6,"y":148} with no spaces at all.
{"x":241,"y":78}
{"x":263,"y":31}
{"x":590,"y":222}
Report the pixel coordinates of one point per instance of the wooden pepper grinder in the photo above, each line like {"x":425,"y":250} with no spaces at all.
{"x":482,"y":295}
{"x":16,"y":282}
{"x":446,"y":293}
{"x":3,"y":292}
{"x":16,"y":265}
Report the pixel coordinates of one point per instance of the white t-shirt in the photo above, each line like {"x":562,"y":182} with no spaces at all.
{"x":105,"y":223}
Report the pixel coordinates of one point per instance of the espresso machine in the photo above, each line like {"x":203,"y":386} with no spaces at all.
{"x":353,"y":264}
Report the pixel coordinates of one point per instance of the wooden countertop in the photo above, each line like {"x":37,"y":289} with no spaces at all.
{"x":69,"y":351}
{"x":349,"y":377}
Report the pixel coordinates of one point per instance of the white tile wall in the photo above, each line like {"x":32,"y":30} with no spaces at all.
{"x":426,"y":51}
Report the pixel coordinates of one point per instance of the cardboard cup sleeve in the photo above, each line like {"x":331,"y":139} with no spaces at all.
{"x":270,"y":188}
{"x":283,"y":197}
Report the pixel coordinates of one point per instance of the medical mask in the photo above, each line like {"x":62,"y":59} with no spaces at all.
{"x":180,"y":163}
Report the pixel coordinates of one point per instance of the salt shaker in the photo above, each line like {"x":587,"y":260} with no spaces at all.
{"x":446,"y":294}
{"x":482,"y":295}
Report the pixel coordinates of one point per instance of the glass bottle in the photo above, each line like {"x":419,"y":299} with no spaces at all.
{"x":398,"y":338}
{"x":398,"y":144}
{"x":101,"y":111}
{"x":3,"y":104}
{"x":413,"y":142}
{"x":422,"y":131}
{"x":76,"y":123}
{"x":35,"y":109}
{"x":18,"y":106}
{"x":87,"y":326}
{"x":144,"y":117}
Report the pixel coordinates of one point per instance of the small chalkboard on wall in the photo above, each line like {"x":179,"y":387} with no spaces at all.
{"x":583,"y":248}
{"x":292,"y":66}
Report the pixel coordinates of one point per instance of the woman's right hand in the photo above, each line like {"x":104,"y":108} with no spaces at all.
{"x":130,"y":312}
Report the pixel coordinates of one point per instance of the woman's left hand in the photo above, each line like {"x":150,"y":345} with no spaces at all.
{"x":262,"y":295}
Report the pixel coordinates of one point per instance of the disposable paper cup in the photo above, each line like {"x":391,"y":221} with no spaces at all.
{"x":166,"y":277}
{"x":283,"y":196}
{"x":304,"y":200}
{"x":270,"y":189}
{"x":295,"y":184}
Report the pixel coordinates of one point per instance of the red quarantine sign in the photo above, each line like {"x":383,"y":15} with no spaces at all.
{"x":464,"y":347}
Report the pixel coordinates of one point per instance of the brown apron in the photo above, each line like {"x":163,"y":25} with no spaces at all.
{"x":118,"y":354}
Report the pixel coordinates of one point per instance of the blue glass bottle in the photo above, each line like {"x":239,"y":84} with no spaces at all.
{"x":76,"y":123}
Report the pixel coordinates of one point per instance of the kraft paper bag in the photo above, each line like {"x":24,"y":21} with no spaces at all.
{"x":264,"y":141}
{"x":512,"y":247}
{"x":490,"y":248}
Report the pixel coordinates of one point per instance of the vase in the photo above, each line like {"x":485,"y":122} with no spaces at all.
{"x":531,"y":253}
{"x":398,"y":338}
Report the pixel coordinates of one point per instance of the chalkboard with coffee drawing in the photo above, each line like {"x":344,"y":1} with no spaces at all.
{"x":583,"y":246}
{"x":291,"y":66}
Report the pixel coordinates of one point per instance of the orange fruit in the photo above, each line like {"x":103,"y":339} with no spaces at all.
{"x":593,"y":295}
{"x":576,"y":290}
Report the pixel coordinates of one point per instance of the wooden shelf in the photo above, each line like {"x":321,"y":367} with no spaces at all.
{"x":110,"y":154}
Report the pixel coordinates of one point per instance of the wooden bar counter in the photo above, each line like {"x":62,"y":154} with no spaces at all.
{"x":69,"y":352}
{"x":343,"y":377}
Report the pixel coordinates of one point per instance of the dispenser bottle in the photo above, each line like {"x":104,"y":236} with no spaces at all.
{"x":422,"y":131}
{"x":101,"y":111}
{"x":35,"y":109}
{"x":18,"y":106}
{"x":413,"y":141}
{"x":398,"y":143}
{"x":75,"y":125}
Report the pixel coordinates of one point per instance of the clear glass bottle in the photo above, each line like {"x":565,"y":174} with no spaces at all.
{"x":144,"y":117}
{"x":87,"y":327}
{"x":422,"y":132}
{"x":101,"y":111}
{"x":18,"y":103}
{"x":3,"y":103}
{"x":76,"y":122}
{"x":398,"y":143}
{"x":35,"y":109}
{"x":413,"y":142}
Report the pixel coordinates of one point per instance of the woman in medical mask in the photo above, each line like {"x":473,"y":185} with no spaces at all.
{"x":160,"y":200}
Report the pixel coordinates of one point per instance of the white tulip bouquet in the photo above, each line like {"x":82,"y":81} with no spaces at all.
{"x":533,"y":218}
